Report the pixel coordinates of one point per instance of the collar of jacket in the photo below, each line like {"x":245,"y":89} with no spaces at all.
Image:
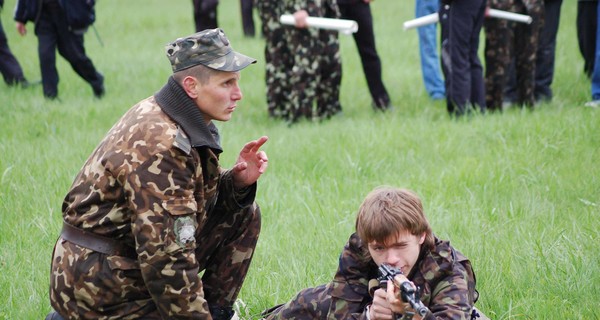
{"x":173,"y":100}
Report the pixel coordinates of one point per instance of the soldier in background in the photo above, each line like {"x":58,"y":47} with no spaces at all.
{"x":360,"y":11}
{"x":205,"y":14}
{"x":391,"y":229}
{"x":303,"y":65}
{"x":461,"y":23}
{"x":9,"y":65}
{"x":152,"y":208}
{"x":508,"y":40}
{"x":59,"y":28}
{"x":587,"y":21}
{"x":246,"y":7}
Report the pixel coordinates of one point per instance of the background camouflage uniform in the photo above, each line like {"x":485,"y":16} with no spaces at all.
{"x":303,"y":66}
{"x":444,"y":275}
{"x":154,"y":184}
{"x":508,"y":41}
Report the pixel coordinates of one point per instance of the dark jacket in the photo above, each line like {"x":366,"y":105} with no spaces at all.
{"x":28,"y":10}
{"x":79,"y":14}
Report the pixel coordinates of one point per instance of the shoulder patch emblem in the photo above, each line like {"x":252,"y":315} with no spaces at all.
{"x":182,"y":141}
{"x":185,"y":229}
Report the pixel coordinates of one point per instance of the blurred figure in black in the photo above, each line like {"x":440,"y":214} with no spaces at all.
{"x":360,"y":11}
{"x":205,"y":14}
{"x":247,"y":18}
{"x":461,"y":23}
{"x":9,"y":65}
{"x":587,"y":20}
{"x":55,"y":29}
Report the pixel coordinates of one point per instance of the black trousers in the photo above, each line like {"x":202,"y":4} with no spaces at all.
{"x":544,"y":70}
{"x":53,"y":33}
{"x":365,"y":42}
{"x":9,"y":66}
{"x":587,"y":20}
{"x":205,"y":14}
{"x":247,"y":18}
{"x":461,"y":23}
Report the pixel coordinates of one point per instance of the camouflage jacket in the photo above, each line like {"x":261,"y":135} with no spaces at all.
{"x":150,"y":184}
{"x":444,"y":276}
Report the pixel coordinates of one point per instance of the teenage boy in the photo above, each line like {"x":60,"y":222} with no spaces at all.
{"x":391,"y":229}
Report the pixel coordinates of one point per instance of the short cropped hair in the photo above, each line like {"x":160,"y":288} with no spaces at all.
{"x":388,"y":211}
{"x":200,"y":72}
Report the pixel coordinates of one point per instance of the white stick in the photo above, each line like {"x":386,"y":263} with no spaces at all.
{"x":492,"y":13}
{"x":421,"y":21}
{"x":341,"y":25}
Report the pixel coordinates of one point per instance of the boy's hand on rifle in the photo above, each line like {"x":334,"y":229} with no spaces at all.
{"x":380,"y":309}
{"x":394,"y":298}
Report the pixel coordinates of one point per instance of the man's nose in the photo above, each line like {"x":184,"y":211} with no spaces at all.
{"x":237,"y":93}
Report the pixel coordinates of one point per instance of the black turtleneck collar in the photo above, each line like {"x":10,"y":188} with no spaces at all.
{"x":173,"y":100}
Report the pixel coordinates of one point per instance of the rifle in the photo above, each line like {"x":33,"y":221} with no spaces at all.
{"x":407,"y":291}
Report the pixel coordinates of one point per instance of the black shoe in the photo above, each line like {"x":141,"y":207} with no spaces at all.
{"x":51,"y":96}
{"x":221,"y":313}
{"x":99,"y":88}
{"x":382,"y":104}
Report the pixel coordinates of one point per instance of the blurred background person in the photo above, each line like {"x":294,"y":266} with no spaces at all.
{"x":428,"y":51}
{"x":9,"y":65}
{"x":205,"y":14}
{"x":587,"y":21}
{"x":247,"y":7}
{"x":303,"y":65}
{"x":507,"y":41}
{"x":461,"y":23}
{"x":595,"y":77}
{"x":544,"y":60}
{"x":54,"y":31}
{"x":360,"y":11}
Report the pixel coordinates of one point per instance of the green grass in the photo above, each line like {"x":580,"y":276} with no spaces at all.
{"x":518,"y":192}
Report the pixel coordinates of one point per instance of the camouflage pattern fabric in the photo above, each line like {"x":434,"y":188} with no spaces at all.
{"x":444,"y":275}
{"x":303,"y":66}
{"x":148,"y":187}
{"x":505,"y":40}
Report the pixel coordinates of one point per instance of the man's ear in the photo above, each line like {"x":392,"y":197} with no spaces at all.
{"x":190,"y":85}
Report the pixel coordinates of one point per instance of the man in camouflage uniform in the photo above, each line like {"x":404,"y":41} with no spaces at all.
{"x":391,"y":228}
{"x":152,"y":208}
{"x":303,"y":65}
{"x":505,"y":40}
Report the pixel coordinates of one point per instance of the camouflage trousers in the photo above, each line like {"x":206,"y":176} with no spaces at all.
{"x":303,"y":69}
{"x":315,"y":303}
{"x":86,"y":284}
{"x":311,"y":303}
{"x":507,"y":41}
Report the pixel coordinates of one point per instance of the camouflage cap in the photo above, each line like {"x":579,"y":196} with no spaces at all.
{"x":210,"y":48}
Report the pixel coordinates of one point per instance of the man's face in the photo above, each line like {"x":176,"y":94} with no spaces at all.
{"x":400,"y":251}
{"x":217,"y":98}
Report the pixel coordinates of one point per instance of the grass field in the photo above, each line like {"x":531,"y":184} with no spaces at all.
{"x":517,"y":192}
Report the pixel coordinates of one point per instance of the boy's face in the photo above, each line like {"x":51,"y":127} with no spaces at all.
{"x":217,"y":99}
{"x":400,"y":251}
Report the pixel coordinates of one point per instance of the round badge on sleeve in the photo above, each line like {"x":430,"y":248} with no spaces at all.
{"x":184,"y":231}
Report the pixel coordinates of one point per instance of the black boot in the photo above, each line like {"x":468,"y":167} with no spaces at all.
{"x":221,"y":313}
